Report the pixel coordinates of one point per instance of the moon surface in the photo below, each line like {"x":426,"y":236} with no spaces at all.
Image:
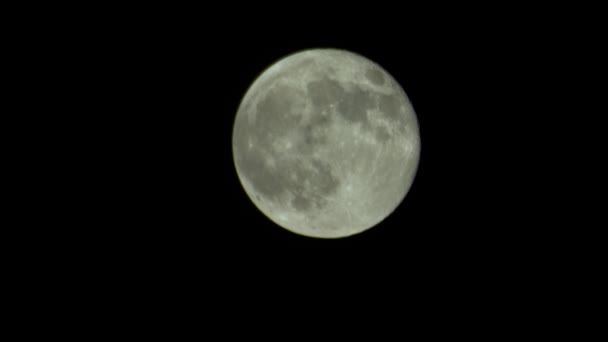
{"x":326,"y":143}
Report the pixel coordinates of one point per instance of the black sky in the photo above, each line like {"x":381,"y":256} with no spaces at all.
{"x":161,"y":93}
{"x":143,"y":196}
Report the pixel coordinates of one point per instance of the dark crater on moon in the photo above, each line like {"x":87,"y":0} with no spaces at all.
{"x":324,"y":92}
{"x":382,"y":134}
{"x":313,"y":135}
{"x":390,"y":106}
{"x":375,"y":76}
{"x":352,"y":105}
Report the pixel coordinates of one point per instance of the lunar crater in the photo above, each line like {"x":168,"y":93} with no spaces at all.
{"x":390,"y":106}
{"x":375,"y":76}
{"x":354,"y":105}
{"x":382,"y":134}
{"x":325,"y":91}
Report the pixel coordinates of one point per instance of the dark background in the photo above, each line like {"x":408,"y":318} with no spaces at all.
{"x":159,"y":98}
{"x":147,"y":102}
{"x":141,"y":206}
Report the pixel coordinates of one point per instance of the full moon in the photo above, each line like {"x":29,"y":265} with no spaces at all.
{"x":326,"y":143}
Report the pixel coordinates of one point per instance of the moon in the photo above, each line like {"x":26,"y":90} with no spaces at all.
{"x":326,"y":143}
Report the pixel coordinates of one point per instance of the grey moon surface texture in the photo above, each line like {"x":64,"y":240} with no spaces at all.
{"x":326,"y":143}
